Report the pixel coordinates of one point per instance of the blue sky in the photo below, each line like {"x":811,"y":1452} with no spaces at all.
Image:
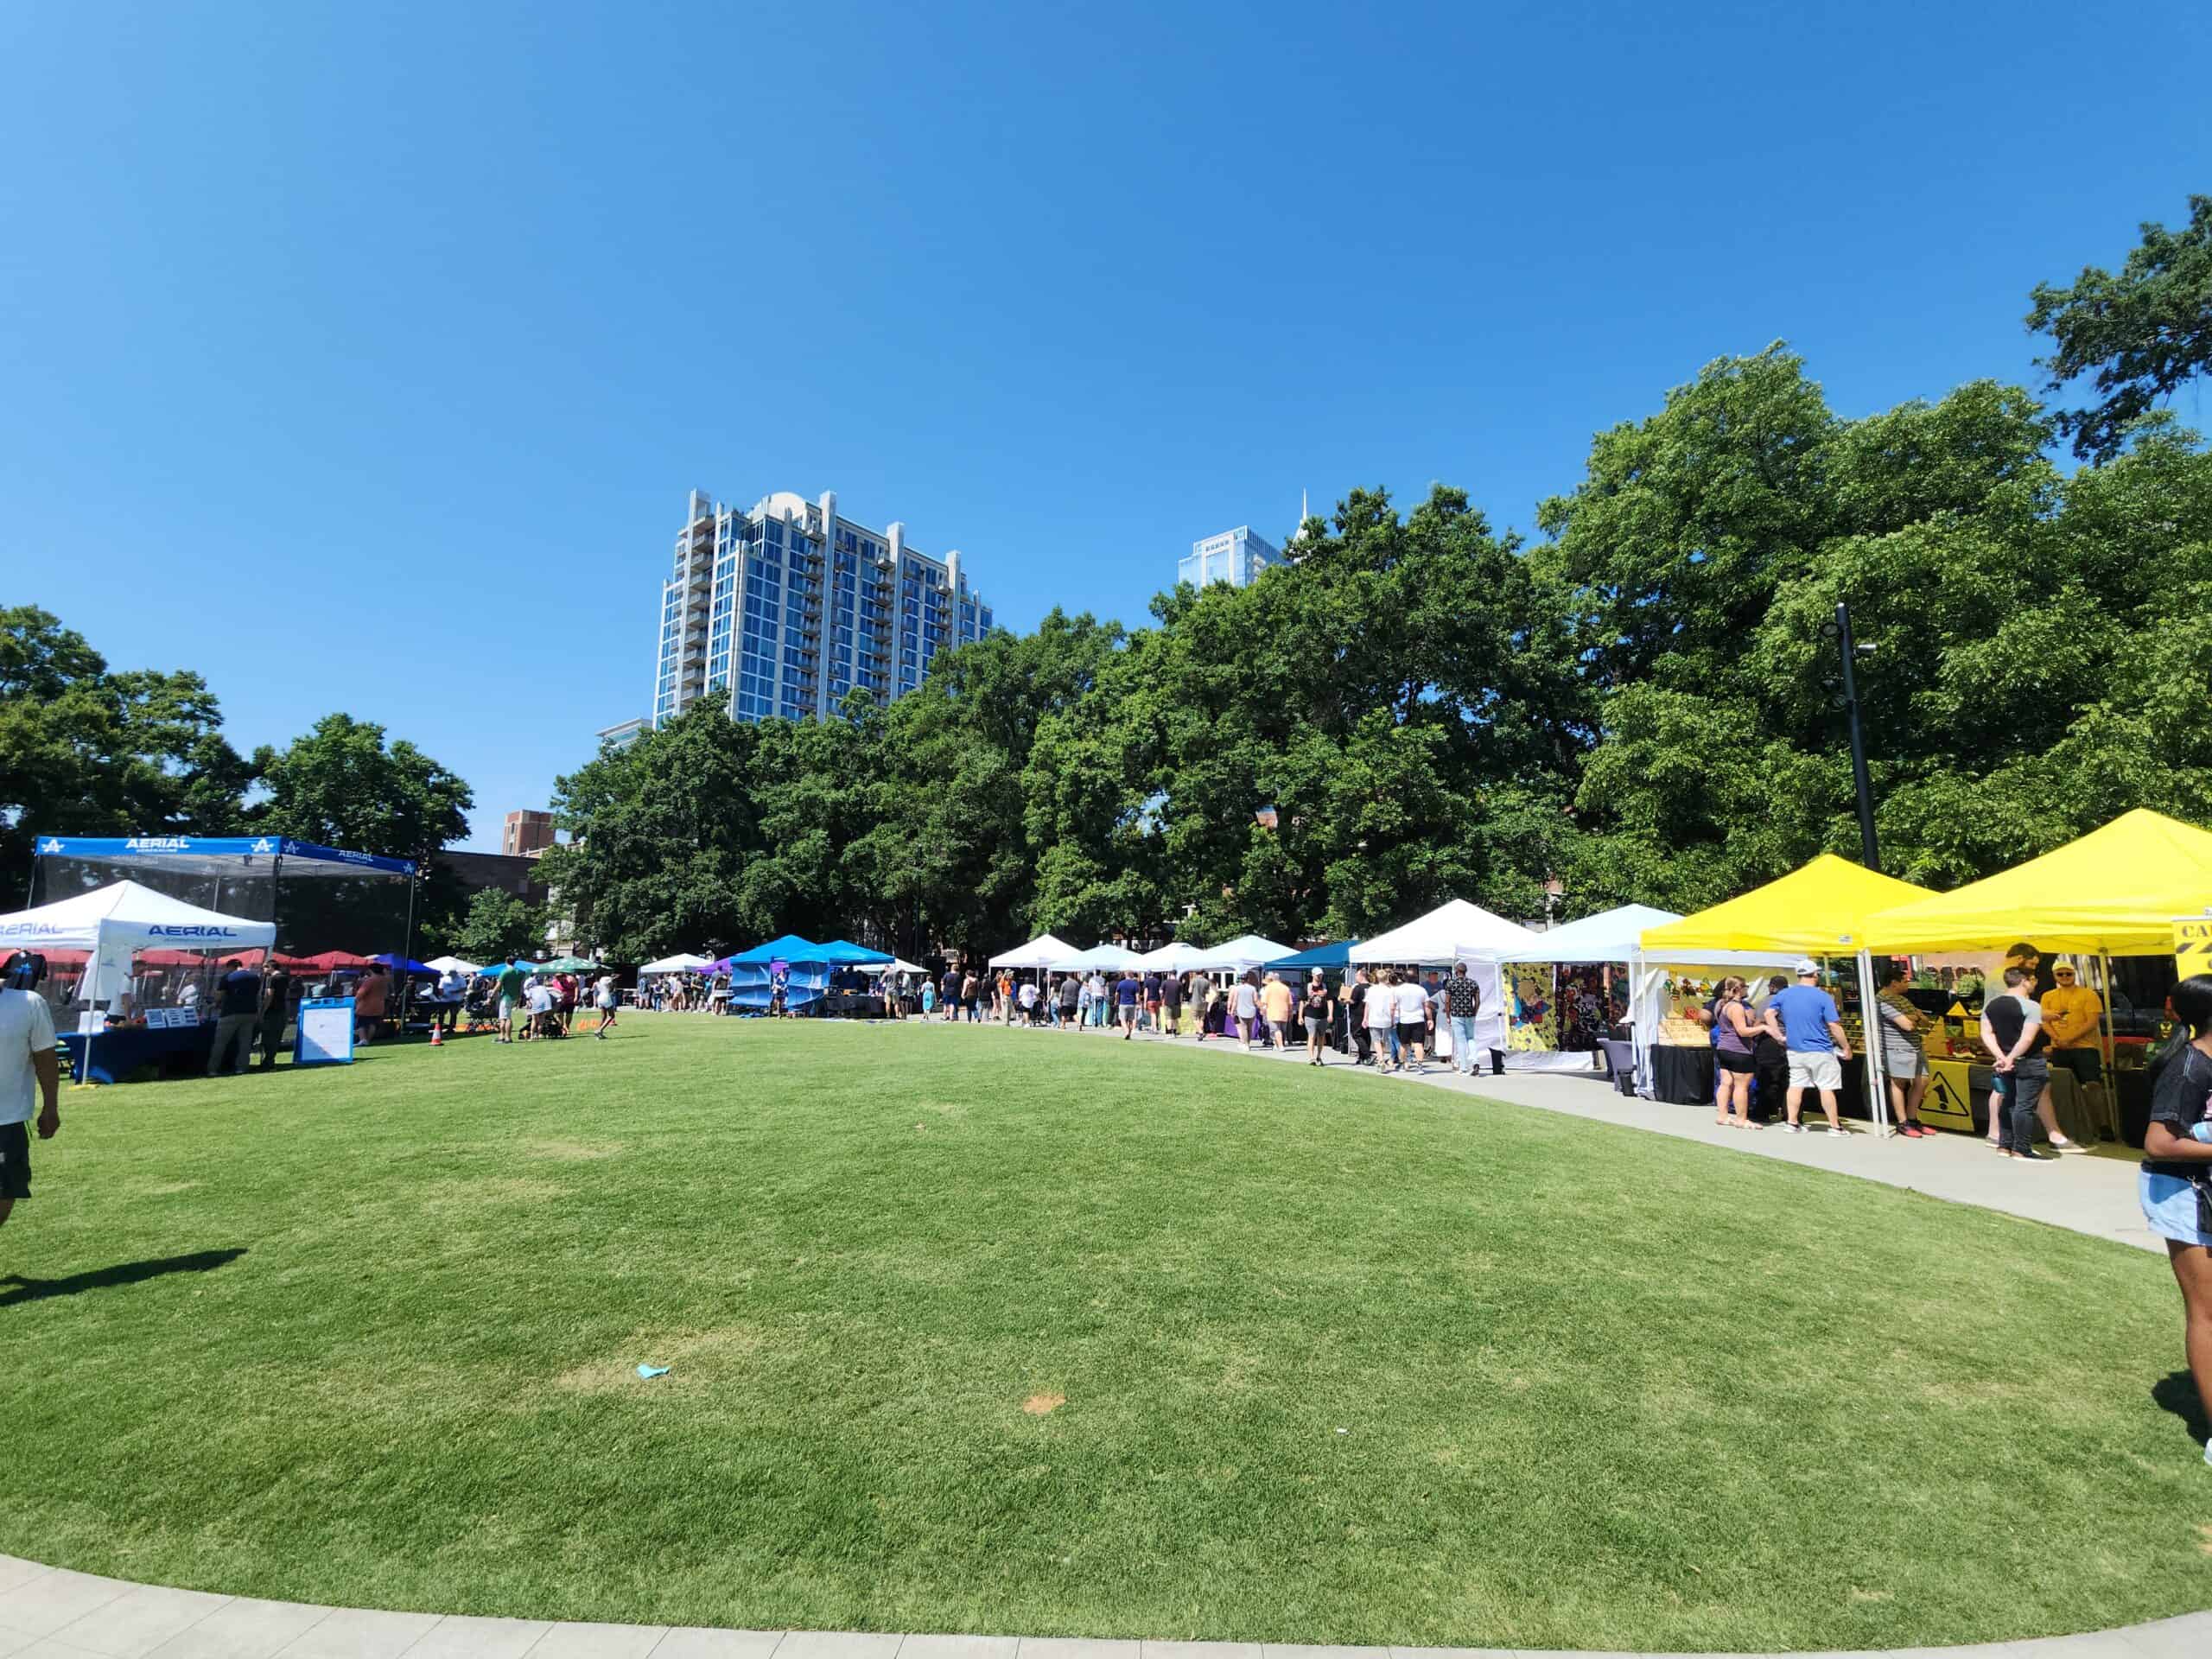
{"x":362,"y":356}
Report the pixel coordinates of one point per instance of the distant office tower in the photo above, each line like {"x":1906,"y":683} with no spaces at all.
{"x":1235,"y":556}
{"x":526,"y":832}
{"x":786,"y":608}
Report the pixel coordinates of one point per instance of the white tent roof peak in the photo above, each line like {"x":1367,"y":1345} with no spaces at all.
{"x":124,"y":912}
{"x":1099,"y":956}
{"x":1174,"y":957}
{"x":1452,"y":930}
{"x":1043,"y":951}
{"x":1246,"y":950}
{"x":682,"y":962}
{"x":1609,"y":936}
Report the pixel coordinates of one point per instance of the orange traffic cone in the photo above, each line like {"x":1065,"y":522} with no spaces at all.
{"x":437,"y":1040}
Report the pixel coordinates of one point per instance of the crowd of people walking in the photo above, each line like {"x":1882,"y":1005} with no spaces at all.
{"x":1392,"y":1019}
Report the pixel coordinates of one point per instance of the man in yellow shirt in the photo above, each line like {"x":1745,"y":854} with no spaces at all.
{"x":2070,"y":1014}
{"x":1274,"y":1002}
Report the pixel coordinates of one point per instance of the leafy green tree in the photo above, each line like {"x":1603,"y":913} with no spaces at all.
{"x":2137,"y":336}
{"x":2030,"y":635}
{"x":495,"y":925}
{"x":342,"y":784}
{"x":90,"y":750}
{"x":662,"y":835}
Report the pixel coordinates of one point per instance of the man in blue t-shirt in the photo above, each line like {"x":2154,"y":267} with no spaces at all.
{"x":1127,"y":990}
{"x":1803,"y":1019}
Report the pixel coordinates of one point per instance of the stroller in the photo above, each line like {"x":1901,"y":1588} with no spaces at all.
{"x":479,"y":1006}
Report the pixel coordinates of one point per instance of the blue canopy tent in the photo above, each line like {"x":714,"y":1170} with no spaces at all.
{"x":399,"y":964}
{"x":751,"y":981}
{"x":1335,"y":956}
{"x":844,"y":953}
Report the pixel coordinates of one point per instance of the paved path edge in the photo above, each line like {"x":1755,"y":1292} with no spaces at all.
{"x":54,"y":1612}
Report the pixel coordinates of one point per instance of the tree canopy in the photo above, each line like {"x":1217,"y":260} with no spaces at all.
{"x":2136,"y":336}
{"x":94,"y":751}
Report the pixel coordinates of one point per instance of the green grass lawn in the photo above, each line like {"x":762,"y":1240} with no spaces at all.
{"x":1326,"y":1357}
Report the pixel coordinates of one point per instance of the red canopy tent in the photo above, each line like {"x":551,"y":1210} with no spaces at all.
{"x":325,"y":961}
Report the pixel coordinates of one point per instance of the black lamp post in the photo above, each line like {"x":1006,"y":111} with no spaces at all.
{"x":1840,"y":631}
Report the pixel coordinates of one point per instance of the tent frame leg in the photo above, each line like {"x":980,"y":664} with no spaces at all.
{"x":1870,"y":1020}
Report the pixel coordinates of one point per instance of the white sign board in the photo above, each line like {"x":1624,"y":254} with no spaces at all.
{"x":326,"y":1033}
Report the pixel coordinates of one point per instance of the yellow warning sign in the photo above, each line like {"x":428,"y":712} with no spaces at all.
{"x":2192,"y":945}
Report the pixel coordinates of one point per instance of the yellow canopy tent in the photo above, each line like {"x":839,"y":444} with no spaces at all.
{"x":1819,"y":910}
{"x":2114,"y":893}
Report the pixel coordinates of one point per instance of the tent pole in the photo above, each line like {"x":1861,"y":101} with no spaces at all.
{"x":1870,"y":1023}
{"x":2112,"y":1073}
{"x":407,"y":953}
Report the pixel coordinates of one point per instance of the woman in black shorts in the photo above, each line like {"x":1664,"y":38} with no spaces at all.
{"x":1734,"y":1035}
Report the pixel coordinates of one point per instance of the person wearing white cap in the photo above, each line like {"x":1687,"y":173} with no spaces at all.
{"x":1805,"y":1021}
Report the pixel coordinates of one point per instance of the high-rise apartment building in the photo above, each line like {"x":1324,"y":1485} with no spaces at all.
{"x":786,"y":608}
{"x":1235,"y":556}
{"x":526,"y":832}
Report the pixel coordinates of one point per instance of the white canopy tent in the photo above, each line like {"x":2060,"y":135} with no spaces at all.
{"x":1172,"y":958}
{"x":1455,"y":932}
{"x":1043,"y":951}
{"x":896,"y":965}
{"x":454,"y":965}
{"x":681,"y":963}
{"x":1235,"y":955}
{"x":112,"y":924}
{"x":1609,"y":936}
{"x":1107,"y":958}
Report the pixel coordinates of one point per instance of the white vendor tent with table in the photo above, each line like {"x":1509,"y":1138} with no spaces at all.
{"x":1610,"y":936}
{"x":135,"y":950}
{"x":1455,"y":932}
{"x":454,"y":965}
{"x":681,"y":963}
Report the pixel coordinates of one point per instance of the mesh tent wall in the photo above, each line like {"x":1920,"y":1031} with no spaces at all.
{"x":320,"y":898}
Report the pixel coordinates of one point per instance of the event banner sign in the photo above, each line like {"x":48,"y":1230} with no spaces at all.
{"x":326,"y":1034}
{"x":2192,"y":945}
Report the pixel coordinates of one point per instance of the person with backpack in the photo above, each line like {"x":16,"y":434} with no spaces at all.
{"x":1317,"y":1007}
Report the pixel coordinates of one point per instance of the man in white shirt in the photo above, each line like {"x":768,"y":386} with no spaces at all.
{"x":1381,"y":1009}
{"x":1413,"y":1021}
{"x":28,"y":1072}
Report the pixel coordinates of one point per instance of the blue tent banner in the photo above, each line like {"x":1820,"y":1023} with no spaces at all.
{"x":211,"y":853}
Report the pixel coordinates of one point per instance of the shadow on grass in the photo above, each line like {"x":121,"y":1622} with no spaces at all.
{"x":127,"y":1273}
{"x":2176,"y":1392}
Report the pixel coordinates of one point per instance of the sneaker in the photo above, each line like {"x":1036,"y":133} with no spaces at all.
{"x":2060,"y":1143}
{"x":1839,"y":1131}
{"x":2033,"y":1157}
{"x":1795,"y":1129}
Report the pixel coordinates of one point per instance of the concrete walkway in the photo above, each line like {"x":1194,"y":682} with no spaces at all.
{"x":2081,"y":1192}
{"x":51,"y":1613}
